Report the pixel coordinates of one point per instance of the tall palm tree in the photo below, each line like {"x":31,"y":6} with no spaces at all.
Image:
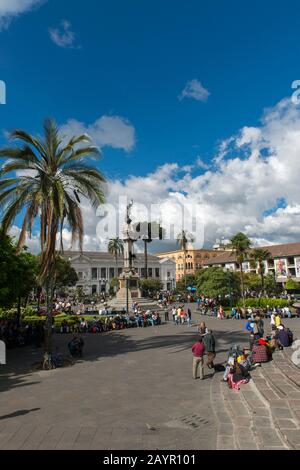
{"x":240,"y":247}
{"x":183,"y":238}
{"x":50,"y":177}
{"x":116,"y":248}
{"x":257,"y":258}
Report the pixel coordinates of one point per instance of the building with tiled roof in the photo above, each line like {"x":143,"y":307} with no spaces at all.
{"x":195,"y":259}
{"x":284,"y":262}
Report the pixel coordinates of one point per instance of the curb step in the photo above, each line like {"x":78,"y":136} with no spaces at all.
{"x":225,"y":426}
{"x":277,"y":391}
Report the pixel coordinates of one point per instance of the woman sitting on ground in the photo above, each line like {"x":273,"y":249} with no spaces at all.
{"x":284,"y":337}
{"x":260,"y":352}
{"x":238,"y":375}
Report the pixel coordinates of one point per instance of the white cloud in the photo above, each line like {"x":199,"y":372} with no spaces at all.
{"x":261,"y":167}
{"x":201,"y":164}
{"x":33,"y":243}
{"x":194,"y":89}
{"x":248,"y":135}
{"x":111,"y":131}
{"x":31,"y":173}
{"x":12,"y":8}
{"x":63,"y":36}
{"x":237,"y":192}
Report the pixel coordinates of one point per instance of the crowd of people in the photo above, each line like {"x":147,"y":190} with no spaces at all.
{"x":240,"y":313}
{"x":108,"y":322}
{"x":240,"y":361}
{"x":15,"y":334}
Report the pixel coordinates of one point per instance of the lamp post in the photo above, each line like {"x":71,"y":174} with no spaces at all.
{"x":127,"y":279}
{"x":229,"y":286}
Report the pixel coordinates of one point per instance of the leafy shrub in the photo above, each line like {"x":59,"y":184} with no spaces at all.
{"x":8,"y":314}
{"x":264,"y":302}
{"x":28,"y":311}
{"x":33,"y":319}
{"x":66,"y":319}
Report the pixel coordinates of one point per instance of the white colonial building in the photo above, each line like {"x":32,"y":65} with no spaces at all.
{"x":95,"y":270}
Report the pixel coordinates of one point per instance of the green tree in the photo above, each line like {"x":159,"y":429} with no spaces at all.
{"x":56,"y":176}
{"x":18,"y":274}
{"x":292,"y":285}
{"x":116,"y":248}
{"x":183,"y":238}
{"x":215,"y":281}
{"x":65,"y":275}
{"x":258,"y":257}
{"x":252,"y":282}
{"x":189,"y":280}
{"x":240,"y":248}
{"x":26,"y":277}
{"x":271,"y":286}
{"x":150,"y":287}
{"x":114,"y":285}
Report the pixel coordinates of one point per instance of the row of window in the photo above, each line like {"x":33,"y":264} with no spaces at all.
{"x":187,"y":266}
{"x":101,"y":273}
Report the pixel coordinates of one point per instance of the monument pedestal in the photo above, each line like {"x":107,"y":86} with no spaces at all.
{"x":129,"y":283}
{"x":129,"y":290}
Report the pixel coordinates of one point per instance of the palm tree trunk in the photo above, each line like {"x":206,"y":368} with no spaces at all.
{"x":242,"y":285}
{"x":146,"y":259}
{"x":262,"y":282}
{"x":48,"y":330}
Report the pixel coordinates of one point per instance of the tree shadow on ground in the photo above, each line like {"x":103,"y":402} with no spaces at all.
{"x":108,"y":345}
{"x":18,"y":413}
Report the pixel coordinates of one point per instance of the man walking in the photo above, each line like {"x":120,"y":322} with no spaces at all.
{"x":174,"y":312}
{"x":166,"y":315}
{"x":210,"y":348}
{"x":189,"y":317}
{"x":198,"y":351}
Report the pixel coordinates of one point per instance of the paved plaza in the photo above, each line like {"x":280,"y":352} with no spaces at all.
{"x":133,"y":389}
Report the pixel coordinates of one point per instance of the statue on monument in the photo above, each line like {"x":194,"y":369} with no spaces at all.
{"x":128,"y":241}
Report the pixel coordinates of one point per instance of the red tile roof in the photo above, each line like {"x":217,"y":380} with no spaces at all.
{"x":277,"y":251}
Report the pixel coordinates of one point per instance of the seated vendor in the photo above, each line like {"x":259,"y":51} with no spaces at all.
{"x":260,"y":352}
{"x":284,"y":336}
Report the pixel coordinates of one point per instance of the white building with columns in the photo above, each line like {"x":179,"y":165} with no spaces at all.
{"x":95,"y":270}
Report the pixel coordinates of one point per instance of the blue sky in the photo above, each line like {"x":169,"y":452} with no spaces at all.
{"x":132,"y":60}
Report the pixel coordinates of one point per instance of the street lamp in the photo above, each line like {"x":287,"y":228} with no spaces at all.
{"x":127,"y":279}
{"x":229,"y":285}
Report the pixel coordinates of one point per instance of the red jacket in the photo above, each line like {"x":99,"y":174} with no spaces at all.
{"x":198,"y":349}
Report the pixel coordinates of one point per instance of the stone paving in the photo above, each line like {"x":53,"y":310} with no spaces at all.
{"x":133,"y":390}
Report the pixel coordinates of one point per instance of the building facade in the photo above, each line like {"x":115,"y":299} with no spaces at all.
{"x":195,"y":260}
{"x":95,"y":270}
{"x":284,"y":263}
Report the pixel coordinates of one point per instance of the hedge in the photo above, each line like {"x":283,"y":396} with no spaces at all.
{"x":10,"y":314}
{"x":264,"y":302}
